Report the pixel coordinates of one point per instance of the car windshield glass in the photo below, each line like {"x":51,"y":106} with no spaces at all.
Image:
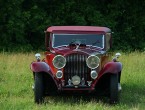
{"x":87,"y":39}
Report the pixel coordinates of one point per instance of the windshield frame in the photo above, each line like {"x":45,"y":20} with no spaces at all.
{"x":103,"y":39}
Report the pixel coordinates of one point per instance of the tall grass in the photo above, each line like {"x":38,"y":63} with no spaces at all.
{"x":16,"y":81}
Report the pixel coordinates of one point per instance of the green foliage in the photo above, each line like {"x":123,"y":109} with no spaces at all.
{"x":22,"y":22}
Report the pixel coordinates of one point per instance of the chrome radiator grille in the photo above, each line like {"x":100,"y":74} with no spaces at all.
{"x":76,"y":65}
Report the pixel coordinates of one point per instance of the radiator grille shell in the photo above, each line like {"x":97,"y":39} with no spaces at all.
{"x":76,"y":65}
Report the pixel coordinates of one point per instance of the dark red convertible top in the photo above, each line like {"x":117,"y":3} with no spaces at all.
{"x":78,"y":28}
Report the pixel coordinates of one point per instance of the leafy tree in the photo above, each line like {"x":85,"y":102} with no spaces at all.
{"x":22,"y":22}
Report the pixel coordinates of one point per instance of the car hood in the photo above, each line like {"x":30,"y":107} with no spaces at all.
{"x":86,"y":50}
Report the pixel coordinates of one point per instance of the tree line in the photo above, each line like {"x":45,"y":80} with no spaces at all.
{"x":23,"y":22}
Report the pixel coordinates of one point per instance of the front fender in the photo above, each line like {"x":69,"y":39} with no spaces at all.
{"x":39,"y":67}
{"x":44,"y":67}
{"x":112,"y":67}
{"x":109,"y":68}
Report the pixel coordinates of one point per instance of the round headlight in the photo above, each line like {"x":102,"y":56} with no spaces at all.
{"x":94,"y":74}
{"x":59,"y":74}
{"x":59,"y":61}
{"x":76,"y":80}
{"x":93,"y":61}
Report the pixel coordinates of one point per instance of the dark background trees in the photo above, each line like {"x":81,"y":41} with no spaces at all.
{"x":22,"y":22}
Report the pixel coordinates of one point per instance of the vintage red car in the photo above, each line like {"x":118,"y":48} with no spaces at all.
{"x":76,"y":61}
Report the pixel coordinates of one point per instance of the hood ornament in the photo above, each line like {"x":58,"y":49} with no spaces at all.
{"x":77,"y":46}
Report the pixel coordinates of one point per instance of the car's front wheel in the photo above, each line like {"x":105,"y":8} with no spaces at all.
{"x":113,"y":88}
{"x":39,"y":88}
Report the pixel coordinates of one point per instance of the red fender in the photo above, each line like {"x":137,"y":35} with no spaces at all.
{"x":112,"y":67}
{"x":40,"y":67}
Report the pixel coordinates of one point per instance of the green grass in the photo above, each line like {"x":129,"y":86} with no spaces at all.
{"x":16,"y":81}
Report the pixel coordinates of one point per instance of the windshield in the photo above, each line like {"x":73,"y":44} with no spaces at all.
{"x":87,"y":39}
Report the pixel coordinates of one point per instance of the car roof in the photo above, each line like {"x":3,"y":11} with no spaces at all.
{"x":77,"y":28}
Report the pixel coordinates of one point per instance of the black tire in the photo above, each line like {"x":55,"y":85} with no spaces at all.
{"x":113,"y":88}
{"x":39,"y":88}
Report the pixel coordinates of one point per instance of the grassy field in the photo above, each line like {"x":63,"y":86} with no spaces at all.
{"x":16,"y":81}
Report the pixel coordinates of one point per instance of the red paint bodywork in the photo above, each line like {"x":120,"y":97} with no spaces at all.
{"x":40,"y":67}
{"x":46,"y":66}
{"x":77,"y":29}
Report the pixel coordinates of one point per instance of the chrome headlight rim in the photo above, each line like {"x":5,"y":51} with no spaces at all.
{"x":53,"y":61}
{"x":87,"y":60}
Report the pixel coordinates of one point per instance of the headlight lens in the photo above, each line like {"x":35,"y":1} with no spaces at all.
{"x":94,"y":74}
{"x":76,"y":80}
{"x":59,"y":74}
{"x":59,"y":61}
{"x":37,"y":55}
{"x":93,"y":61}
